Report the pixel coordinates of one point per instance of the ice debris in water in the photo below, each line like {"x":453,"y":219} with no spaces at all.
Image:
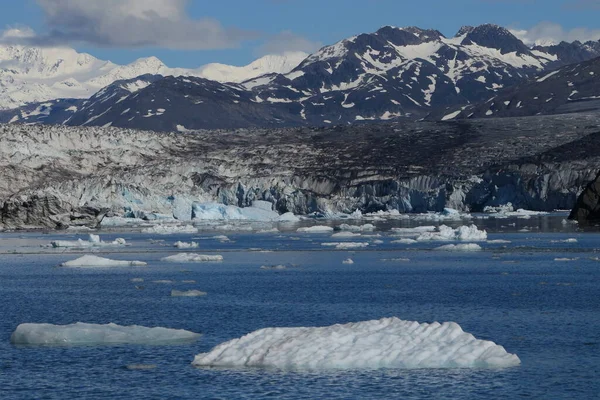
{"x":346,"y":245}
{"x":275,"y":267}
{"x":342,"y":235}
{"x":413,"y":231}
{"x":187,"y":293}
{"x":95,"y":261}
{"x":94,"y":334}
{"x":461,"y":233}
{"x":170,"y":229}
{"x":315,"y":229}
{"x":93,"y":241}
{"x":385,"y":343}
{"x":404,"y":241}
{"x":192,"y":257}
{"x":288,"y":217}
{"x":460,"y":247}
{"x":348,"y":261}
{"x":185,"y":245}
{"x":357,"y":228}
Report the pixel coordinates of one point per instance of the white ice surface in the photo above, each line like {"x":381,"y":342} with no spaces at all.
{"x":93,"y":241}
{"x":385,"y":343}
{"x":315,"y":229}
{"x":93,"y":334}
{"x":460,"y":247}
{"x":170,"y":229}
{"x":219,"y":212}
{"x":95,"y":261}
{"x":357,"y":228}
{"x":461,"y":233}
{"x":192,"y":257}
{"x":185,"y":245}
{"x":346,"y":245}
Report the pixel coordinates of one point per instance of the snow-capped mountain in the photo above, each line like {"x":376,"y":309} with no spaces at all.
{"x":572,"y":88}
{"x":389,"y":74}
{"x":36,"y":74}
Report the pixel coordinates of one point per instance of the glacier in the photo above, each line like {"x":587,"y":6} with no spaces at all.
{"x":81,"y":333}
{"x":384,"y":343}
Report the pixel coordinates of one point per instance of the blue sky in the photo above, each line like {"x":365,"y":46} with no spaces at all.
{"x":190,"y":33}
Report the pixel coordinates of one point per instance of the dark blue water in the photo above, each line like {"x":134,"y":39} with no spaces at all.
{"x":516,"y":294}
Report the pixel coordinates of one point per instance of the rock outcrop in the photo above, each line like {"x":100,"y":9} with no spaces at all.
{"x":587,"y":208}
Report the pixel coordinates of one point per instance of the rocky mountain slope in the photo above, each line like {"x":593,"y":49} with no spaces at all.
{"x":55,"y":176}
{"x":36,"y":74}
{"x":394,"y":73}
{"x":573,"y":88}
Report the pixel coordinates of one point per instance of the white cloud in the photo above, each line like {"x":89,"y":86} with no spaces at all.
{"x":286,"y":41}
{"x":551,"y":33}
{"x":133,"y":23}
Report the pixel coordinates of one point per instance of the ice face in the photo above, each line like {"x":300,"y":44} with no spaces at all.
{"x":93,"y":334}
{"x":191,"y":257}
{"x":218,"y":212}
{"x":385,"y":343}
{"x":95,"y":261}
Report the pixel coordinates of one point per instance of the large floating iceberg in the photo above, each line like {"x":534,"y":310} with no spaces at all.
{"x":461,"y":233}
{"x":95,"y":261}
{"x":385,"y":343}
{"x":93,"y":334}
{"x":192,"y":257}
{"x":93,"y":241}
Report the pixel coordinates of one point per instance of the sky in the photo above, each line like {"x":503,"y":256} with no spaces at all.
{"x":190,"y":33}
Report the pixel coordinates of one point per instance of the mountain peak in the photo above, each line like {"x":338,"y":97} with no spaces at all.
{"x":493,"y":36}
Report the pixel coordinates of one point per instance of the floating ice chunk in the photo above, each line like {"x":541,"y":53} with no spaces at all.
{"x":404,"y":241}
{"x":276,"y":267}
{"x":288,"y":217}
{"x":357,"y":228}
{"x":460,"y":247}
{"x":163,"y":281}
{"x":499,"y":241}
{"x":95,"y":261}
{"x":345,"y":235}
{"x":570,"y":240}
{"x":346,"y":245}
{"x":315,"y":229}
{"x":93,"y":241}
{"x":137,"y":280}
{"x":187,"y":293}
{"x":385,"y":343}
{"x":348,"y":261}
{"x":170,"y":229}
{"x":192,"y":257}
{"x":461,"y":233}
{"x":93,"y":334}
{"x":413,"y":231}
{"x":566,"y":259}
{"x":185,"y":245}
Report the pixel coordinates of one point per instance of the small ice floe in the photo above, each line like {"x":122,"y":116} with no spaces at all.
{"x":348,"y":261}
{"x":137,"y":280}
{"x":396,"y":259}
{"x":274,"y":267}
{"x":187,"y":293}
{"x":570,"y":240}
{"x":272,"y":230}
{"x":185,"y":245}
{"x":413,"y":231}
{"x":461,"y":233}
{"x":384,"y":343}
{"x":561,"y":259}
{"x":346,"y":245}
{"x":221,"y":238}
{"x":93,"y":241}
{"x":377,"y":241}
{"x":94,"y":261}
{"x":192,"y":257}
{"x":341,"y":235}
{"x":170,"y":229}
{"x":163,"y":281}
{"x":499,"y":241}
{"x":460,"y":247}
{"x":188,"y":281}
{"x":404,"y":241}
{"x":315,"y":229}
{"x":93,"y":334}
{"x":357,"y":228}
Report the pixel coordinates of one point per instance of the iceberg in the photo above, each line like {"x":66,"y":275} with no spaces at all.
{"x":413,"y":231}
{"x":192,"y":257}
{"x":275,"y":267}
{"x":404,"y":241}
{"x":357,"y":228}
{"x":460,"y":247}
{"x":384,"y":343}
{"x":345,"y":235}
{"x":346,"y":245}
{"x":93,"y":241}
{"x":187,"y":293}
{"x":95,"y":261}
{"x":170,"y":229}
{"x":185,"y":245}
{"x":348,"y":261}
{"x":315,"y":229}
{"x":94,"y":334}
{"x":461,"y":233}
{"x":288,"y":217}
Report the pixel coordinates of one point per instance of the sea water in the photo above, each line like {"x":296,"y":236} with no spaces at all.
{"x":536,"y":294}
